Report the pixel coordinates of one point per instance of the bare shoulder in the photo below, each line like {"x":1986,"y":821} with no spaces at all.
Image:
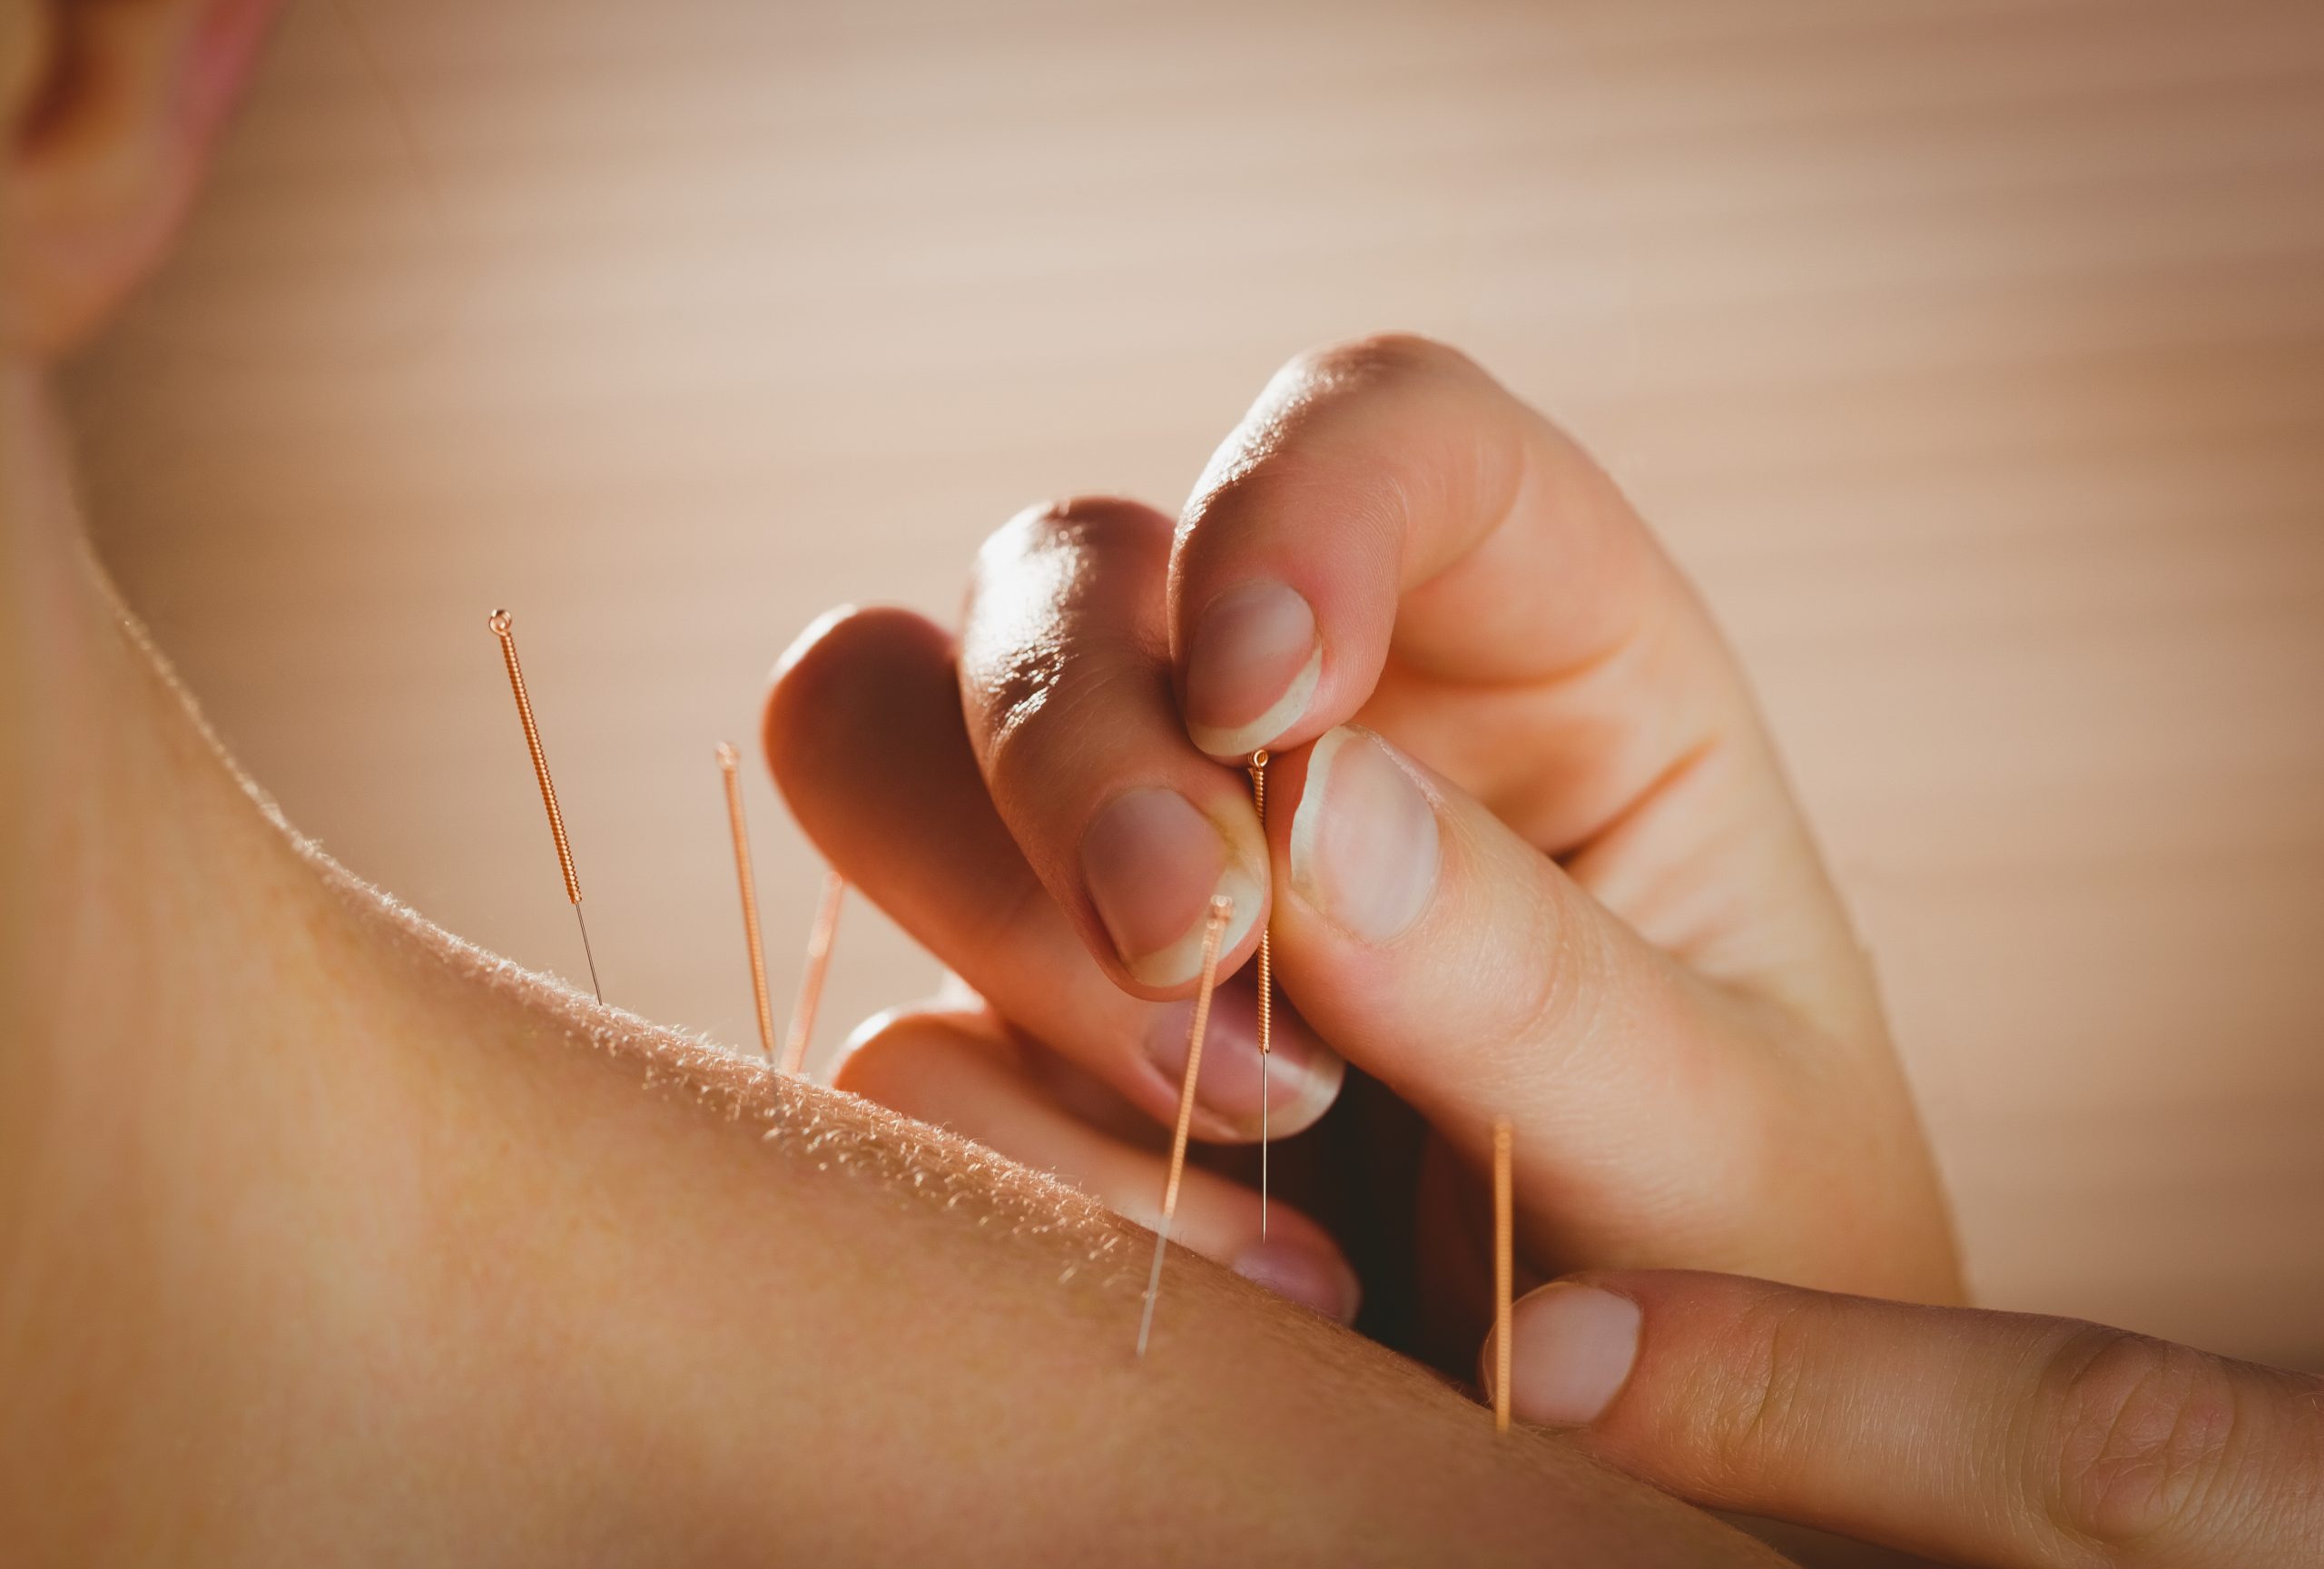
{"x":807,"y":1319}
{"x":354,"y":1240}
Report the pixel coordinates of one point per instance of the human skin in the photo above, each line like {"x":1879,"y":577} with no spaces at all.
{"x":326,"y":1236}
{"x":2005,"y":1440}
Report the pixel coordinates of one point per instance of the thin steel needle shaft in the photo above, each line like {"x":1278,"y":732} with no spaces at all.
{"x":1504,"y":1272}
{"x":503,"y":626}
{"x":1266,"y":992}
{"x":727,"y":765}
{"x":1222,"y":910}
{"x":811,"y":981}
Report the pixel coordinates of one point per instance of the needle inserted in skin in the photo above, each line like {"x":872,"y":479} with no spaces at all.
{"x":504,"y":627}
{"x":811,"y":981}
{"x":1267,"y":991}
{"x":1504,"y":1272}
{"x":1222,"y":910}
{"x":727,"y":765}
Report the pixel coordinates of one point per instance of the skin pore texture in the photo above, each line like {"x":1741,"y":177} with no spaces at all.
{"x":324,"y":1234}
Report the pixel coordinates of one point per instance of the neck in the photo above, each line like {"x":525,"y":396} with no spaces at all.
{"x":216,"y":1049}
{"x":141,"y":861}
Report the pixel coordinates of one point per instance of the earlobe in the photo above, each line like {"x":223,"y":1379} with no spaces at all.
{"x":112,"y":110}
{"x":25,"y":29}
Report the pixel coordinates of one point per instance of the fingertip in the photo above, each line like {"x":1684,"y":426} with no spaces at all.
{"x":1299,"y":1078}
{"x":1316,"y":1277}
{"x":1154,"y":865}
{"x":1363,"y":845}
{"x":849,"y":652}
{"x":960,"y":1070}
{"x":1254,"y":658}
{"x":858,"y":704}
{"x":1363,"y":465}
{"x":1150,"y":866}
{"x":1318,"y":1074}
{"x":811,"y":636}
{"x":1572,"y":1347}
{"x":910,"y":1058}
{"x":858,"y":1064}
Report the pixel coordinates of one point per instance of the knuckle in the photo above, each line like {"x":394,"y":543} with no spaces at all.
{"x":1105,"y":519}
{"x":1754,"y":1419}
{"x":1069,"y":524}
{"x":1329,"y":389}
{"x":1017,"y":686}
{"x":1050,"y":706}
{"x":1749,"y":1409}
{"x":1541,"y":985}
{"x":1048,"y":630}
{"x":2130,"y":1435}
{"x":1281,"y":451}
{"x":1381,"y":358}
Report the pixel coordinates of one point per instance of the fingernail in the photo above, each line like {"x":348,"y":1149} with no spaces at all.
{"x":1303,"y":1078}
{"x":1152,"y":865}
{"x":1315,"y":1280}
{"x":1363,"y":847}
{"x":1251,"y":666}
{"x":1570,"y":1350}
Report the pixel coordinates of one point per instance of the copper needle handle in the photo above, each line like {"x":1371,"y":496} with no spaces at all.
{"x":503,"y":628}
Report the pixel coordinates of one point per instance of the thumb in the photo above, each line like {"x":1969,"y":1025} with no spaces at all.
{"x":1446,"y":956}
{"x":1974,"y":1438}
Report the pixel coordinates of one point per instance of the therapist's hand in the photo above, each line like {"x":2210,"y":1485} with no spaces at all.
{"x":1973,"y":1438}
{"x":1529,"y":849}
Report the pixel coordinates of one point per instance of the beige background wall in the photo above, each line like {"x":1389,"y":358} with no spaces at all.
{"x":1972,"y":355}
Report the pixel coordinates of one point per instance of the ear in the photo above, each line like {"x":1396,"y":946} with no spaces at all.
{"x":112,"y":107}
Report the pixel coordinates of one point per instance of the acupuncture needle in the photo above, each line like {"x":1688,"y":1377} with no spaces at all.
{"x":504,"y":627}
{"x":727,"y":765}
{"x":1222,"y":910}
{"x":1504,"y":1272}
{"x":811,"y":981}
{"x":1267,"y":991}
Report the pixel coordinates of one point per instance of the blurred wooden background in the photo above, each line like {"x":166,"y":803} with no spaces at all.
{"x":1972,"y":355}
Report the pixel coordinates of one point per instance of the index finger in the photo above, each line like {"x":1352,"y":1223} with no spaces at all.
{"x":1364,"y":474}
